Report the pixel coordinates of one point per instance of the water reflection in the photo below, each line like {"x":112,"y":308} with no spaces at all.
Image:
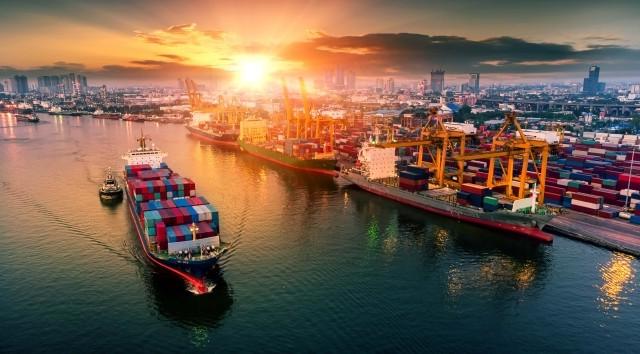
{"x":475,"y":258}
{"x":617,"y":282}
{"x":172,"y":301}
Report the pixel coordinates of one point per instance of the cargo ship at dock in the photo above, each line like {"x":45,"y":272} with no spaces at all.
{"x":100,"y":114}
{"x":411,"y":188}
{"x":222,"y":137}
{"x":295,"y":154}
{"x":178,"y":229}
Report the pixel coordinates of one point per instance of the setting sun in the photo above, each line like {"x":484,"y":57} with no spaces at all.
{"x":253,"y":71}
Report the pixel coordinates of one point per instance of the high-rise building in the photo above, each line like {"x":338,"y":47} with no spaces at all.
{"x":328,"y":79}
{"x":474,"y":83}
{"x":437,"y":81}
{"x":351,"y":80}
{"x":423,"y":86}
{"x":339,"y":84}
{"x":82,"y":82}
{"x":591,"y":84}
{"x":180,"y":84}
{"x":635,"y":88}
{"x":379,"y":85}
{"x":1,"y":88}
{"x":389,"y":86}
{"x":22,"y":84}
{"x":9,"y":85}
{"x":103,"y":92}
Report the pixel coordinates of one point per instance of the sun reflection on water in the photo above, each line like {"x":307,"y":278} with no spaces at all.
{"x":617,"y":282}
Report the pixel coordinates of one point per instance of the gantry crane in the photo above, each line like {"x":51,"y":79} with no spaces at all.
{"x":287,"y":107}
{"x":516,"y":147}
{"x":435,"y":137}
{"x":306,"y":105}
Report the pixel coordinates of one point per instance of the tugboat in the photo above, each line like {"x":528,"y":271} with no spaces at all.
{"x":110,"y":189}
{"x":31,"y":118}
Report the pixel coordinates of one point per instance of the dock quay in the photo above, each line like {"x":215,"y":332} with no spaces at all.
{"x":613,"y":234}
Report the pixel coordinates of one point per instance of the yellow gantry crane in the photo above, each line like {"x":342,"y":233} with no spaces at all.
{"x":306,"y":105}
{"x":439,"y":142}
{"x":287,"y":107}
{"x":305,"y":131}
{"x":512,"y":148}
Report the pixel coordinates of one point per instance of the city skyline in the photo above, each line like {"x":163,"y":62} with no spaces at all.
{"x":114,"y":42}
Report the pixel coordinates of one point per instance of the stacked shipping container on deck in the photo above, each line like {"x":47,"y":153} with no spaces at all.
{"x":168,"y":206}
{"x":413,"y":179}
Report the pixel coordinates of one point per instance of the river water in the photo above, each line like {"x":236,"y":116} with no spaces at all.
{"x":314,"y":267}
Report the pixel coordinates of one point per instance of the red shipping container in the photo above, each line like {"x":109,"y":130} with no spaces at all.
{"x":584,"y":210}
{"x":473,"y":188}
{"x":186,"y":216}
{"x":586,"y":188}
{"x":596,"y":199}
{"x":555,"y":190}
{"x":161,"y":235}
{"x":553,"y":196}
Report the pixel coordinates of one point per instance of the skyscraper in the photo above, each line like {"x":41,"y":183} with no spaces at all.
{"x":328,"y":80}
{"x":9,"y":85}
{"x":351,"y":80}
{"x":379,"y":85}
{"x":591,"y":85}
{"x":474,"y":83}
{"x":22,"y":84}
{"x":422,"y":87}
{"x":389,"y":86}
{"x":437,"y":81}
{"x":339,"y":84}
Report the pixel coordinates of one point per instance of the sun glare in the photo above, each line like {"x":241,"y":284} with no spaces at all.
{"x":253,"y":71}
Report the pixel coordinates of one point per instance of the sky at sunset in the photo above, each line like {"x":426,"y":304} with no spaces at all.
{"x":145,"y":41}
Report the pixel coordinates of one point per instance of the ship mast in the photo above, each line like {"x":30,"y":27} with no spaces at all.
{"x":142,"y":140}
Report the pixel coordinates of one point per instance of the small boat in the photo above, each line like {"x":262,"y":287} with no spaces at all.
{"x":31,"y":118}
{"x":110,"y":188}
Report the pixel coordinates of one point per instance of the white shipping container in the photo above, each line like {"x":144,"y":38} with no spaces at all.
{"x":624,"y":215}
{"x":584,"y":204}
{"x":579,"y":153}
{"x":628,"y":192}
{"x":589,"y":135}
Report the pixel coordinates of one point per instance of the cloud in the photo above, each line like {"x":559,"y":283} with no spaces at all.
{"x":602,"y":38}
{"x":181,"y":29}
{"x":180,"y":35}
{"x":138,"y":71}
{"x":173,"y":57}
{"x":417,"y":54}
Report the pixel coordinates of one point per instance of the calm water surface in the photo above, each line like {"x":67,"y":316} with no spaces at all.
{"x":314,"y":266}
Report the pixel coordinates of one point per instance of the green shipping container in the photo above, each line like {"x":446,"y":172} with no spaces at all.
{"x":490,"y":201}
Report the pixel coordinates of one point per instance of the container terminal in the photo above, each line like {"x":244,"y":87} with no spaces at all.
{"x":483,"y":168}
{"x":590,"y":179}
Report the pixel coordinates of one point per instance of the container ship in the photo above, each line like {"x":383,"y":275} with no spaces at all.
{"x":204,"y":128}
{"x":31,"y":118}
{"x":213,"y":134}
{"x":100,"y":114}
{"x":376,"y":172}
{"x":296,"y":154}
{"x":177,"y":228}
